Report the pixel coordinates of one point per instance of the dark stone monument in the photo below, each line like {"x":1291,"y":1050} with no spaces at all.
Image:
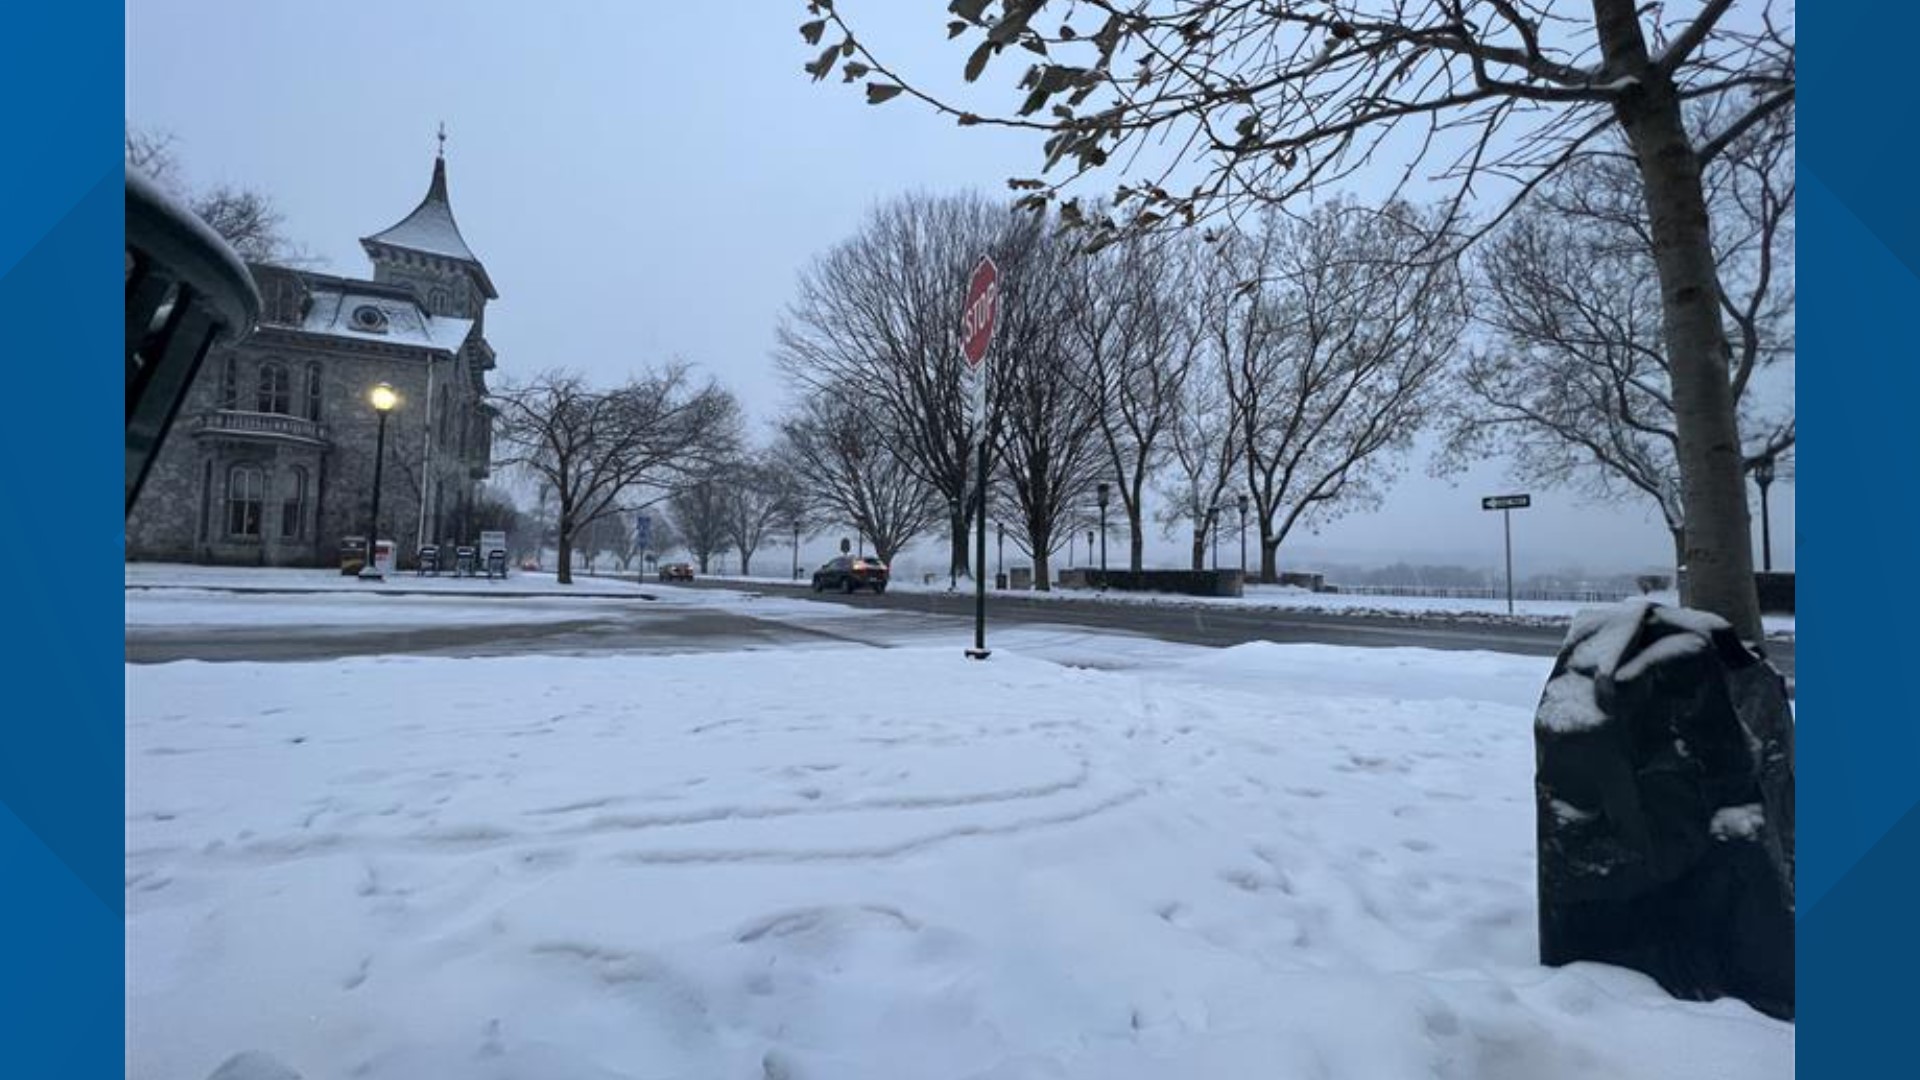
{"x":1663,"y":750}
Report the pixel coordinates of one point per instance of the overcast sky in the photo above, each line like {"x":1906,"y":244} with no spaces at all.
{"x":644,"y":181}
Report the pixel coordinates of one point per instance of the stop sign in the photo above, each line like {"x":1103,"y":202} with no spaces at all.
{"x":983,"y":307}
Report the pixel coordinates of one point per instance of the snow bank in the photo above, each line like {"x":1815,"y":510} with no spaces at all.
{"x":853,"y":863}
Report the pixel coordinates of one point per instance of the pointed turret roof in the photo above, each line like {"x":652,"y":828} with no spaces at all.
{"x":431,"y":230}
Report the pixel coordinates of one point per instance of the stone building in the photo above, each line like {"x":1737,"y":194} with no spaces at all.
{"x":270,"y":458}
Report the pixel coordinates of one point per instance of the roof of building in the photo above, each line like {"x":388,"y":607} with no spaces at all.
{"x":431,"y":230}
{"x":363,"y":311}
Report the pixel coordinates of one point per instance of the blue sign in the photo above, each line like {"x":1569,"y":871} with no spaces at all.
{"x":643,"y":532}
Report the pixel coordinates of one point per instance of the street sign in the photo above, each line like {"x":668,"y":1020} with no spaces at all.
{"x":1507,"y":504}
{"x":982,"y":310}
{"x":643,"y":533}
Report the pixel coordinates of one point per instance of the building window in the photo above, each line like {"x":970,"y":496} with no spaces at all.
{"x":293,"y":509}
{"x":313,"y":393}
{"x":369,"y":319}
{"x":244,"y":489}
{"x":229,"y":383}
{"x":276,"y":390}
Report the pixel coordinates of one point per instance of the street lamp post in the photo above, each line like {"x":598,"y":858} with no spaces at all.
{"x":1100,"y":495}
{"x":1000,"y":532}
{"x":1089,"y":547}
{"x":383,"y":399}
{"x":1763,"y":476}
{"x":1243,"y":535}
{"x":796,"y":549}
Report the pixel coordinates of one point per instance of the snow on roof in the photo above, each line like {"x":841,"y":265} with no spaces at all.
{"x":430,"y":229}
{"x":339,"y":313}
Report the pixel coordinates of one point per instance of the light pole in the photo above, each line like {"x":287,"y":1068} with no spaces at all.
{"x":796,"y":549}
{"x":1100,"y":495}
{"x":1000,"y":568}
{"x":1763,"y":476}
{"x":1089,"y":547}
{"x":383,"y":399}
{"x":953,"y":546}
{"x":1243,"y":536}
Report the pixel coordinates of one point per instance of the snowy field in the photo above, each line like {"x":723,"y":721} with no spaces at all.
{"x":846,"y":862}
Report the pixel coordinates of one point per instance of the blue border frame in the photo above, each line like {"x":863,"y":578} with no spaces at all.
{"x":1858,"y":758}
{"x":62,"y":755}
{"x":62,"y":914}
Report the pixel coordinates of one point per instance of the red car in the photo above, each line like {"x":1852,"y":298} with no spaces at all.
{"x":677,"y":572}
{"x":849,"y":572}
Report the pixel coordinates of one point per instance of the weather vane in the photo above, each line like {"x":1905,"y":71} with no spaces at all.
{"x":443,"y":138}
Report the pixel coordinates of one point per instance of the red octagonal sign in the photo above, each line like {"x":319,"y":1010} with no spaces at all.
{"x":982,"y":310}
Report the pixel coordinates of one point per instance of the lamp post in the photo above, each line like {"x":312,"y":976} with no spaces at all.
{"x":1000,"y":532}
{"x":1243,"y":535}
{"x":953,"y":546}
{"x":1100,"y":495}
{"x":796,"y":549}
{"x":383,"y":399}
{"x":1763,"y":476}
{"x":1089,"y":547}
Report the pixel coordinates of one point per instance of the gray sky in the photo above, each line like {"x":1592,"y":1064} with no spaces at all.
{"x":643,"y":182}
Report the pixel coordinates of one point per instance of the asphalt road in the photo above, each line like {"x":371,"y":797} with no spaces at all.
{"x":644,"y":626}
{"x":1220,"y":627}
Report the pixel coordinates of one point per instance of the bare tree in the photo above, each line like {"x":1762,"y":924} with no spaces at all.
{"x":1574,"y":384}
{"x":593,"y":449}
{"x":246,"y":219}
{"x":1048,"y":438}
{"x":699,"y":511}
{"x":1334,"y":356}
{"x":1275,"y":100}
{"x":875,"y":323}
{"x":848,"y":472}
{"x":1128,"y":325}
{"x":758,"y":495}
{"x":1203,"y":453}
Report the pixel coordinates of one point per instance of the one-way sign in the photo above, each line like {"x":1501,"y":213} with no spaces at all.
{"x":1505,"y":502}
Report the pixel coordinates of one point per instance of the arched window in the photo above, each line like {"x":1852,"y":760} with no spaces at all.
{"x":245,"y":487}
{"x":312,"y":409}
{"x":293,"y":508}
{"x":276,"y":390}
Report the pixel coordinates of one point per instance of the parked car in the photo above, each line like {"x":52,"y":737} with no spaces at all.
{"x":678,"y":571}
{"x":849,"y":572}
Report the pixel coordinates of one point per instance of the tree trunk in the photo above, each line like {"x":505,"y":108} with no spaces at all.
{"x":1042,"y":575}
{"x":1269,"y":558}
{"x":1718,"y":555}
{"x":563,"y":544}
{"x":703,"y":563}
{"x":1679,"y":561}
{"x":1199,"y":549}
{"x":958,"y":548}
{"x":1137,"y":556}
{"x":747,"y":556}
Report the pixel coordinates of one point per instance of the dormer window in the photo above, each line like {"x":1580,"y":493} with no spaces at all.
{"x":369,"y":319}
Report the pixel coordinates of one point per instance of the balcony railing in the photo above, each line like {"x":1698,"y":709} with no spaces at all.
{"x":234,"y":422}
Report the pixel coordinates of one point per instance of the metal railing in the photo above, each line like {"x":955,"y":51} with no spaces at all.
{"x":270,"y":425}
{"x":1572,"y":596}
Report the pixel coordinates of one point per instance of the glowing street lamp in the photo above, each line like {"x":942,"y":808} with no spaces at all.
{"x":383,"y":399}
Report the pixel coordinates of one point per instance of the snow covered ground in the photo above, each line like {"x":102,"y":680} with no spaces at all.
{"x":851,"y":862}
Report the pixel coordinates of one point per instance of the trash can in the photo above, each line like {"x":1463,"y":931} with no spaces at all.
{"x":463,"y":561}
{"x":383,"y":555}
{"x":1000,"y":580}
{"x":353,"y":554}
{"x":428,"y":561}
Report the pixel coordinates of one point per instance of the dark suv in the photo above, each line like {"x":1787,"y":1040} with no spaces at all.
{"x":848,"y":573}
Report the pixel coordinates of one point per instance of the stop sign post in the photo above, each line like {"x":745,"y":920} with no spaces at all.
{"x":977,"y":321}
